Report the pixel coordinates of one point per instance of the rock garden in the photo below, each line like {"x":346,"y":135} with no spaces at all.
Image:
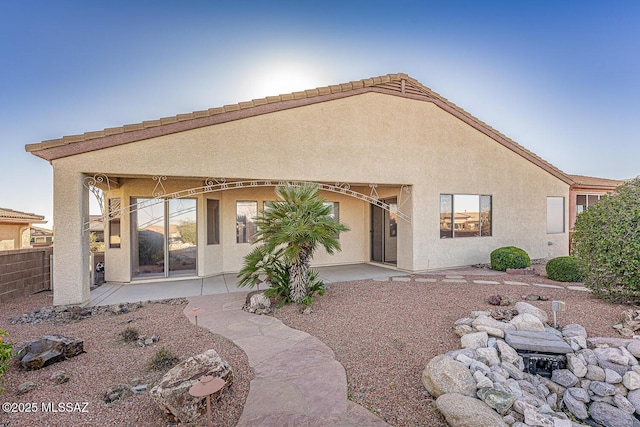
{"x":522,"y":371}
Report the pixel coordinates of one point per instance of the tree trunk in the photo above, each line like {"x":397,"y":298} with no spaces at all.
{"x":299,"y":279}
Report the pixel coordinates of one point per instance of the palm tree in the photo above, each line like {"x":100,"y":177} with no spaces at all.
{"x":296,"y":226}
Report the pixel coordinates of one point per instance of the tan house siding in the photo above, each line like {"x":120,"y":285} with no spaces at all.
{"x":411,"y":149}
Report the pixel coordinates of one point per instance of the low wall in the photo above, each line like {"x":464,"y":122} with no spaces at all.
{"x":24,"y":272}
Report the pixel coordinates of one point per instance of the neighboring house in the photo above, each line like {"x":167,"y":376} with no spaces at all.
{"x":586,"y":191}
{"x":41,"y":237}
{"x":421,"y":183}
{"x":15,"y":228}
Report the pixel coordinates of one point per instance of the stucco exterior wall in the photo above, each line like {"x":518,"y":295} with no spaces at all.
{"x":368,"y":138}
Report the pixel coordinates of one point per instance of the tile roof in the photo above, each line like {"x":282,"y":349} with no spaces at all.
{"x":9,"y":215}
{"x":590,"y":181}
{"x":394,"y":84}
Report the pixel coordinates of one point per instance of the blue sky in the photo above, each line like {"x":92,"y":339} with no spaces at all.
{"x":560,"y":78}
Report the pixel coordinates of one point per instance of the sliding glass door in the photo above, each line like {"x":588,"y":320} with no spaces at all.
{"x":163,"y":237}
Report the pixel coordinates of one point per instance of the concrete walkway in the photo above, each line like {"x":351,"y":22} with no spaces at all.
{"x":297,"y":380}
{"x":145,"y":290}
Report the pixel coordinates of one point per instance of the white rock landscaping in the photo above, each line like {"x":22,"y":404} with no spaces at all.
{"x":487,"y":382}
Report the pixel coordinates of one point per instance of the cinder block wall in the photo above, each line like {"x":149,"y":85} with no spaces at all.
{"x":24,"y":272}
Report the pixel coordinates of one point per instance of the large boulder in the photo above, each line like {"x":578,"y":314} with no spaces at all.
{"x":527,"y":322}
{"x":47,"y":350}
{"x":172,"y":393}
{"x":257,"y":302}
{"x":524,"y":307}
{"x":445,"y":375}
{"x":610,"y":416}
{"x":464,"y":411}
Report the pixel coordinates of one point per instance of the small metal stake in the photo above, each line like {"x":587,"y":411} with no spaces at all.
{"x":557,"y":306}
{"x":195,"y":313}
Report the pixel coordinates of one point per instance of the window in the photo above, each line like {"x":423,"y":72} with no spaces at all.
{"x":246,"y":211}
{"x":583,"y":201}
{"x":465,"y":215}
{"x":334,"y":213}
{"x":555,"y":215}
{"x":114,"y":222}
{"x":393,"y":219}
{"x":213,"y":222}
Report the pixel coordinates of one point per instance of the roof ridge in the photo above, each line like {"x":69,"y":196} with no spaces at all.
{"x":309,"y":93}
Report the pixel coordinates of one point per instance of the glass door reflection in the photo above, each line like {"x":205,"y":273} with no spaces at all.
{"x":182,"y":236}
{"x":148,"y":238}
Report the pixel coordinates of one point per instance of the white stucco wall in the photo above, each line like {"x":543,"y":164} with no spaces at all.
{"x":368,"y":138}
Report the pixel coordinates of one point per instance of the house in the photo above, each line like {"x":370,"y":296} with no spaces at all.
{"x":41,"y":237}
{"x":15,"y":228}
{"x":586,"y":191}
{"x":421,"y":183}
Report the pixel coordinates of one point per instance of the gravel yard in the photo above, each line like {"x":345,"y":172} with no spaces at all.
{"x":110,"y":361}
{"x":383,"y":333}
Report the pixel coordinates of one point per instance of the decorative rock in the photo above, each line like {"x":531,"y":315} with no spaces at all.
{"x":474,"y":340}
{"x":463,"y":411}
{"x":257,"y":302}
{"x":492,"y":323}
{"x":469,"y":352}
{"x":576,"y":366}
{"x":574,"y":330}
{"x":479,"y":366}
{"x":624,"y":404}
{"x":634,"y":398}
{"x":488,"y":356}
{"x":525,"y":307}
{"x":47,"y":350}
{"x":478,"y":313}
{"x":589,"y":356}
{"x":579,"y":393}
{"x":464,"y":359}
{"x":60,"y":377}
{"x":507,"y":353}
{"x":621,"y":389}
{"x":534,"y":418}
{"x":610,"y":416}
{"x":595,"y":373}
{"x":464,"y":321}
{"x":527,"y":322}
{"x":540,"y":342}
{"x":116,"y":393}
{"x":631,"y":380}
{"x":564,"y":377}
{"x":494,"y":332}
{"x":481,"y":380}
{"x":612,"y":377}
{"x":496,"y":399}
{"x":634,"y":348}
{"x":577,"y":343}
{"x":621,"y":369}
{"x":26,"y":387}
{"x":609,"y":354}
{"x":445,"y":375}
{"x":172,"y":392}
{"x":514,"y":372}
{"x":602,"y":389}
{"x":632,"y":359}
{"x":461,"y":330}
{"x":575,"y":406}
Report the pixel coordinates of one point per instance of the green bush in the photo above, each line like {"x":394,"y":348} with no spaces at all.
{"x":607,"y":241}
{"x":565,"y":269}
{"x":6,"y":350}
{"x":509,"y":257}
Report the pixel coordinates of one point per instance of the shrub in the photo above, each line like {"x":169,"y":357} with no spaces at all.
{"x":5,"y":355}
{"x":607,"y":241}
{"x":163,"y":360}
{"x":509,"y":257}
{"x":565,"y":269}
{"x":130,"y":334}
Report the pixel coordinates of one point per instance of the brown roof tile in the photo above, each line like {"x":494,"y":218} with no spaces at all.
{"x":11,"y":215}
{"x":591,"y":181}
{"x":395,"y":84}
